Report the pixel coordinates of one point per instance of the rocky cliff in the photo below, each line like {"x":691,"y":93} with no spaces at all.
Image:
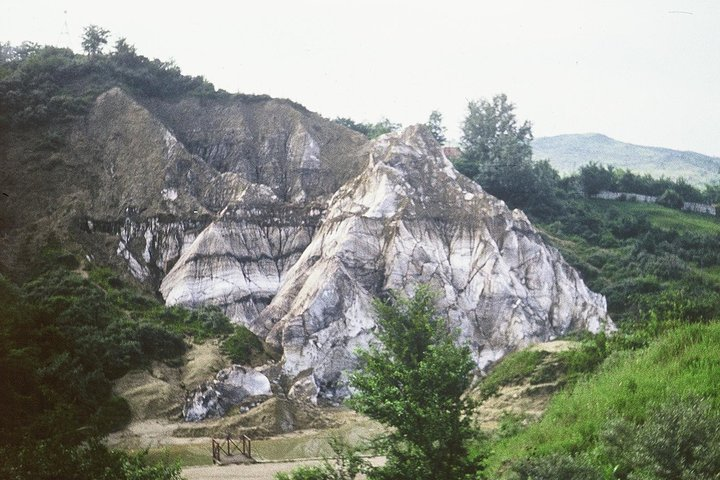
{"x":410,"y":218}
{"x":293,"y":224}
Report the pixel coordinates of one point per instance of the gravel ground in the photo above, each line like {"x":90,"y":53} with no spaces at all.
{"x":258,"y":471}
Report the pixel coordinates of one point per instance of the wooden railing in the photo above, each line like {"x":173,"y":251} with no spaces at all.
{"x":230,"y":448}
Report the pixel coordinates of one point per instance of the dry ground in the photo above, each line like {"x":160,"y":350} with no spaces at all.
{"x":258,"y":471}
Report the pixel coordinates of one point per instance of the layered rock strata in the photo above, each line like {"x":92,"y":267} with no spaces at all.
{"x":410,"y":218}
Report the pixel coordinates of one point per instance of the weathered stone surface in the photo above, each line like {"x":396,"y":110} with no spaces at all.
{"x":410,"y":218}
{"x":292,"y":224}
{"x":232,"y":386}
{"x":239,"y":260}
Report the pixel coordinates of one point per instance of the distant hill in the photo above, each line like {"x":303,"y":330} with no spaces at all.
{"x":567,"y":153}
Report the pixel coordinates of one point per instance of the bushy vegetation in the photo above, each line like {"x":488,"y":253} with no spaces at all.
{"x":245,"y":348}
{"x":594,"y":178}
{"x":649,"y":413}
{"x":44,"y":85}
{"x":64,"y":336}
{"x":642,"y":257}
{"x":347,"y":465}
{"x":370,"y":130}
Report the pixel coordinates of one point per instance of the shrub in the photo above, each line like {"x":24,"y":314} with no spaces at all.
{"x":671,"y":199}
{"x":244,"y":347}
{"x":553,"y":467}
{"x":680,"y":440}
{"x":319,"y":472}
{"x":158,"y":343}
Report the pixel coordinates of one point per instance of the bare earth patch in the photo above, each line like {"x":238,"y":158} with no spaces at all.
{"x":524,"y":400}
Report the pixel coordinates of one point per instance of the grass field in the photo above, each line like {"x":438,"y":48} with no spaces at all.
{"x":684,"y":361}
{"x":666,"y":218}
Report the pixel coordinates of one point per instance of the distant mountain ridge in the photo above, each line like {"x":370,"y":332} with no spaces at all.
{"x":567,"y":153}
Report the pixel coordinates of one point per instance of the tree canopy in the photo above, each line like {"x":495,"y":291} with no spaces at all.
{"x":93,"y":39}
{"x":496,"y":153}
{"x":436,"y":127}
{"x":414,"y":383}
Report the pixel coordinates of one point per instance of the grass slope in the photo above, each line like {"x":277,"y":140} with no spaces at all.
{"x":683,"y":362}
{"x":666,"y":218}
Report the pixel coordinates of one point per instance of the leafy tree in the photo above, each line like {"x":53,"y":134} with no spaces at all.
{"x":93,"y":39}
{"x":671,"y":199}
{"x":414,"y":384}
{"x":492,"y":141}
{"x":123,"y":48}
{"x":595,"y":178}
{"x":496,"y":153}
{"x":436,"y":127}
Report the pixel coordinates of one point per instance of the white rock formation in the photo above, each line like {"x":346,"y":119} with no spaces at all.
{"x":239,"y":261}
{"x":231,"y":386}
{"x":293,"y":226}
{"x":410,"y":218}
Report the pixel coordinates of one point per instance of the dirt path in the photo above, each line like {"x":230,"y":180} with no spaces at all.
{"x":258,"y":471}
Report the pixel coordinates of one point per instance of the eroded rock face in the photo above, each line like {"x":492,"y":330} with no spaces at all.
{"x":410,"y":218}
{"x":211,"y":202}
{"x":232,"y":386}
{"x":293,"y":224}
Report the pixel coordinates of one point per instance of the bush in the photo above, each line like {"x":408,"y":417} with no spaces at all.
{"x":157,"y":343}
{"x":671,"y":199}
{"x":553,"y":467}
{"x":113,"y":415}
{"x":201,"y":323}
{"x":320,"y":472}
{"x":244,"y":347}
{"x":348,"y":465}
{"x":680,"y":440}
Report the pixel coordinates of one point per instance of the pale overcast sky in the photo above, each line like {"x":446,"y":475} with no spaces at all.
{"x":640,"y":71}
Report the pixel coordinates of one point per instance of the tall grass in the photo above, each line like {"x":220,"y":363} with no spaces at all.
{"x":684,"y":362}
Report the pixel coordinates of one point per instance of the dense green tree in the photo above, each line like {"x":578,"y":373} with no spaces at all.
{"x":93,"y":39}
{"x":671,"y":199}
{"x":434,"y":124}
{"x":123,"y":48}
{"x":492,"y":141}
{"x":414,"y":384}
{"x":595,"y":178}
{"x":496,"y":153}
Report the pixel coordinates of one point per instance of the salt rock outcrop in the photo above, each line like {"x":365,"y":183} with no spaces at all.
{"x":239,"y":261}
{"x":410,"y":218}
{"x":232,"y":386}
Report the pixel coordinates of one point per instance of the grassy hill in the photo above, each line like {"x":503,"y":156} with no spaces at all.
{"x":642,"y":403}
{"x":567,"y":153}
{"x":650,"y":411}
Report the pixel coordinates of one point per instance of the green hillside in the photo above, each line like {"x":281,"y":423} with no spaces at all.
{"x":567,"y":153}
{"x":643,"y":414}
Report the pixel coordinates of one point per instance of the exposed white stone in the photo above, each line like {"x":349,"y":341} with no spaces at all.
{"x":170,"y":194}
{"x":231,"y":386}
{"x":404,"y":222}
